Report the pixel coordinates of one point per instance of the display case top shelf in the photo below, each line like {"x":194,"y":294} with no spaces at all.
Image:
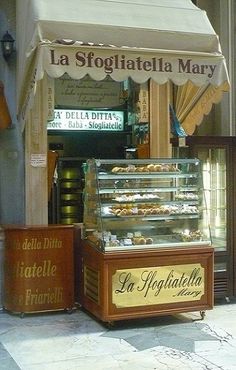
{"x":144,"y":175}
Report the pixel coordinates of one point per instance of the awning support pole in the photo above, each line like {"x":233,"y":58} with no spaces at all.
{"x":36,"y":190}
{"x":160,"y":146}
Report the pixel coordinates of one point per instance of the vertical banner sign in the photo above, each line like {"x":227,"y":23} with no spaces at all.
{"x":144,"y":103}
{"x":50,"y":98}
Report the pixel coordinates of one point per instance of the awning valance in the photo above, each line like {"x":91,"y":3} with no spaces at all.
{"x":139,"y":64}
{"x":154,"y":39}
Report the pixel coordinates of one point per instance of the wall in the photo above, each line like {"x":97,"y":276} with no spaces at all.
{"x":1,"y":266}
{"x":11,"y":141}
{"x":221,"y":121}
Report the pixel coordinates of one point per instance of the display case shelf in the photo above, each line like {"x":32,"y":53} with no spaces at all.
{"x":154,"y":175}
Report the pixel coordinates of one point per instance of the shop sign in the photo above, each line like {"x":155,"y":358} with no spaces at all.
{"x":158,"y":285}
{"x":38,"y":269}
{"x":87,"y":93}
{"x":87,"y":120}
{"x":116,"y":61}
{"x":140,"y":65}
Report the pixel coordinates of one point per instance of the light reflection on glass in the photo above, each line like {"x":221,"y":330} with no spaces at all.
{"x":214,"y":180}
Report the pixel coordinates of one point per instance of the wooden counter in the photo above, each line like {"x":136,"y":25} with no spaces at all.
{"x":144,"y":283}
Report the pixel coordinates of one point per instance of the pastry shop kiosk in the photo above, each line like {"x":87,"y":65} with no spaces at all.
{"x":146,"y":245}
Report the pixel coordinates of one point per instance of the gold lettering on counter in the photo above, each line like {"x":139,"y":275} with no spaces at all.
{"x":36,"y":243}
{"x":158,"y":285}
{"x":36,"y":297}
{"x":38,"y":268}
{"x":31,"y":244}
{"x":52,"y":243}
{"x":45,"y":269}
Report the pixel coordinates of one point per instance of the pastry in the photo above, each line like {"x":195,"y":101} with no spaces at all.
{"x":157,"y":167}
{"x":115,"y":169}
{"x":142,"y":240}
{"x":151,"y":167}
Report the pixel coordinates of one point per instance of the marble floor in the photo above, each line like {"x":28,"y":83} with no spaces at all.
{"x":62,"y":341}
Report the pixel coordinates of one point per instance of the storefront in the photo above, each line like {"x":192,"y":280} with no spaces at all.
{"x":173,"y":54}
{"x":162,"y":44}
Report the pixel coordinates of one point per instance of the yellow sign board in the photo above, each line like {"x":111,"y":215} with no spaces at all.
{"x":157,"y":285}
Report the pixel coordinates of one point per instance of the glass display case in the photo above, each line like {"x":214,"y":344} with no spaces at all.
{"x":142,"y":204}
{"x":217,"y":155}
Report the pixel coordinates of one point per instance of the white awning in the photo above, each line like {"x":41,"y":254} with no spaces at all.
{"x":142,"y":39}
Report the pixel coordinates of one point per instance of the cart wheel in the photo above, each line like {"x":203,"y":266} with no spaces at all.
{"x":69,"y":310}
{"x":202,"y":314}
{"x":110,"y":324}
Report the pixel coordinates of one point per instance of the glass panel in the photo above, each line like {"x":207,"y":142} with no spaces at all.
{"x":138,"y":204}
{"x":214,"y":182}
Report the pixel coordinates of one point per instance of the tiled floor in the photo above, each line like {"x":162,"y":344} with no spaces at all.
{"x":62,"y":341}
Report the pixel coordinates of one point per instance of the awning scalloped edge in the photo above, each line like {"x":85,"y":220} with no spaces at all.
{"x":203,"y":106}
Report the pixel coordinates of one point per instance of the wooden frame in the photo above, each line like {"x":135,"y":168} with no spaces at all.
{"x":97,"y":269}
